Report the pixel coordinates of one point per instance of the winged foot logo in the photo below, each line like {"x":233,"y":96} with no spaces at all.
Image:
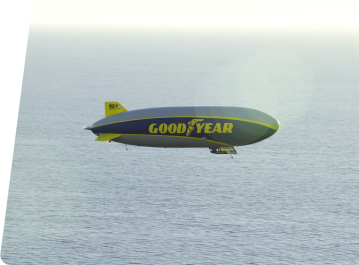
{"x":180,"y":128}
{"x":191,"y":125}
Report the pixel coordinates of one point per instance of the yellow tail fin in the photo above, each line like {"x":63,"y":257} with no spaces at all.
{"x":107,"y":136}
{"x":113,"y":107}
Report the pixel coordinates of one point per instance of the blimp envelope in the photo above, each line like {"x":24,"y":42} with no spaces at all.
{"x":194,"y":126}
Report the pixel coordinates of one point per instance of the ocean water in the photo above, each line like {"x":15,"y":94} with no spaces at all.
{"x":291,"y":199}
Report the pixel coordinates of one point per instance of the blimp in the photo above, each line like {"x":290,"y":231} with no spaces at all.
{"x":219,"y":128}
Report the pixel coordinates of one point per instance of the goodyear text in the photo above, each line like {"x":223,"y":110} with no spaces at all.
{"x":193,"y":125}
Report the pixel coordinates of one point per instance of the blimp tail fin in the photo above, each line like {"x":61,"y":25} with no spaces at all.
{"x":113,"y":107}
{"x":107,"y":136}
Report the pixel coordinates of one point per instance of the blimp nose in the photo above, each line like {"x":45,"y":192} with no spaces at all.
{"x":278,"y":125}
{"x":266,"y":131}
{"x":274,"y":128}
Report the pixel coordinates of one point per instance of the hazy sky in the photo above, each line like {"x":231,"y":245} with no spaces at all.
{"x":237,"y":13}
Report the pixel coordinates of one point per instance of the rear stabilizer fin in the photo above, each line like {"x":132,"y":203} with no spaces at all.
{"x":107,"y":136}
{"x":113,"y":107}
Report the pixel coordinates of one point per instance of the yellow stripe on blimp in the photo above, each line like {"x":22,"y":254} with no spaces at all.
{"x":107,"y":136}
{"x":186,"y":137}
{"x":274,"y":127}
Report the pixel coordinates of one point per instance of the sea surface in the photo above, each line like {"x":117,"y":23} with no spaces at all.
{"x":291,"y":199}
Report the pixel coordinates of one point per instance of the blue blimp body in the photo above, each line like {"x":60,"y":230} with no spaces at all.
{"x":218,"y":128}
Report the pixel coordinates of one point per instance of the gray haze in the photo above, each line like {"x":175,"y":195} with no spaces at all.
{"x":291,"y":199}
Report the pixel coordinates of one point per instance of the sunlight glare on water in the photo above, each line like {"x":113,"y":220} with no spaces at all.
{"x":277,"y":82}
